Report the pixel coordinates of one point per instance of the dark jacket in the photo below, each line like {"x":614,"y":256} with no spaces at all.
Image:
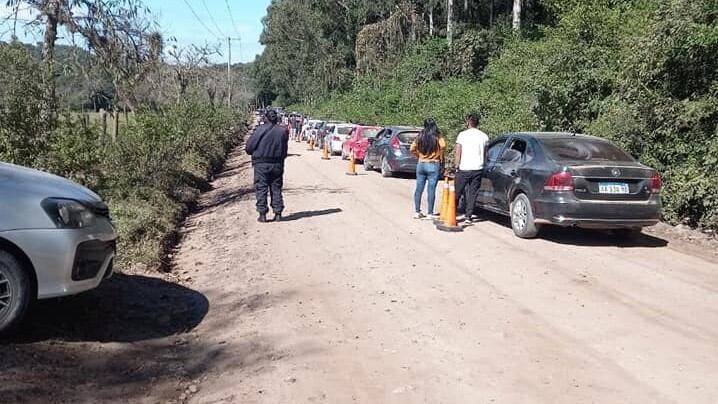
{"x":268,"y":144}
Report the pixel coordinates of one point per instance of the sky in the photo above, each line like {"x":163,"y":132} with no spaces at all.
{"x":215,"y":20}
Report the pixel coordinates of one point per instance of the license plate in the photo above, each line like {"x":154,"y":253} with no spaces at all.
{"x":613,"y":188}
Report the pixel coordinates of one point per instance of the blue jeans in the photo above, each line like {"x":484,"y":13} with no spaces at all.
{"x":426,"y":171}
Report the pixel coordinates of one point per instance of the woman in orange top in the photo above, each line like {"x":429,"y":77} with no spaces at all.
{"x":429,"y":147}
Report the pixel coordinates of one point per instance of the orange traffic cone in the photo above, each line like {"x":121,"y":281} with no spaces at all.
{"x":311,"y":145}
{"x":325,"y":152}
{"x":352,"y":165}
{"x":444,"y":202}
{"x":449,"y":223}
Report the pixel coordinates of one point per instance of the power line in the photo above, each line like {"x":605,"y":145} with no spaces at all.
{"x":231,"y":18}
{"x":200,"y":20}
{"x":211,"y":18}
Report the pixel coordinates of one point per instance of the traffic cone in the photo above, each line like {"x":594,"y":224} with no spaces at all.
{"x":311,"y":145}
{"x":444,"y":202}
{"x":325,"y":152}
{"x":352,"y":165}
{"x":449,"y":223}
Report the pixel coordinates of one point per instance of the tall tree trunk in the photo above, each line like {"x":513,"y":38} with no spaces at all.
{"x":431,"y":22}
{"x":449,"y":24}
{"x":51,"y":10}
{"x":517,"y":15}
{"x":491,"y":13}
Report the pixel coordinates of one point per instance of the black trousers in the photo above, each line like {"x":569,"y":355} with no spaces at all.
{"x":467,"y":184}
{"x":269,"y":178}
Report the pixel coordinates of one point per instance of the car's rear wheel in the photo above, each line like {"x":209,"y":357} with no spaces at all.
{"x":14,"y":291}
{"x":385,"y":169}
{"x":522,"y":217}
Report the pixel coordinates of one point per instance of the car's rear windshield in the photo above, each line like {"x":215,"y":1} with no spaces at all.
{"x":407,"y":137}
{"x":344,"y":130}
{"x":582,"y":149}
{"x":369,"y":132}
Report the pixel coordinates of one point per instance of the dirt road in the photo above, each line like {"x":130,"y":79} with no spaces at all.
{"x":351,"y":300}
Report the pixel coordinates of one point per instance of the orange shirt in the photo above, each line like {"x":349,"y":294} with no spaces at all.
{"x":437,"y":156}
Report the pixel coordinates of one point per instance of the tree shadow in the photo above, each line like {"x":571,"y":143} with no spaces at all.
{"x":141,"y":355}
{"x":126,"y":308}
{"x":308,"y":214}
{"x":313,"y":189}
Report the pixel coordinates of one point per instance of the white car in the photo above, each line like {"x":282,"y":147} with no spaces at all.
{"x":337,"y":136}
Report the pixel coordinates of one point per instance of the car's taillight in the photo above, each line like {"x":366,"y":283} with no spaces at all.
{"x":336,"y":138}
{"x":656,"y":184}
{"x":560,"y":182}
{"x":395,"y":143}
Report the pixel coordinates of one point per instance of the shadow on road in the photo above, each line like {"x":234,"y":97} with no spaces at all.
{"x":311,"y":213}
{"x":127,"y":308}
{"x":583,"y":237}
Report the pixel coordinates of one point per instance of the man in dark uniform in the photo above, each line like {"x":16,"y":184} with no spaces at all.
{"x":268,"y":148}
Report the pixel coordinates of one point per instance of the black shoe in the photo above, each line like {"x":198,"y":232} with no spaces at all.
{"x":277,"y":217}
{"x":262,"y":218}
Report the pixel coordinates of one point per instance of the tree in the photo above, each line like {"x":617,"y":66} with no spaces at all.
{"x":516,"y":15}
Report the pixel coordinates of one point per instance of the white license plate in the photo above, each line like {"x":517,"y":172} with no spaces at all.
{"x":613,"y":188}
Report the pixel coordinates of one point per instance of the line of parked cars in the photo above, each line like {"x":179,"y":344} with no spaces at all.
{"x":534,"y":178}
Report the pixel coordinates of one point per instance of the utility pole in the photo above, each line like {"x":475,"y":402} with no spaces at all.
{"x":229,"y":69}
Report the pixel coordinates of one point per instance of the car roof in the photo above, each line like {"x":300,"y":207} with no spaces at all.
{"x":404,"y":128}
{"x":555,"y":135}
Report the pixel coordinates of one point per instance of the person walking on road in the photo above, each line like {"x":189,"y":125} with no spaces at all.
{"x":469,"y":160}
{"x":268,"y":147}
{"x":429,"y":147}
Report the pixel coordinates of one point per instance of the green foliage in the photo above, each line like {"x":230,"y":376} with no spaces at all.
{"x":21,"y":100}
{"x":156,"y":167}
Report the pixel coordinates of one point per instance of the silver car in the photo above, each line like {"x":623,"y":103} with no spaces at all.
{"x":56,"y":239}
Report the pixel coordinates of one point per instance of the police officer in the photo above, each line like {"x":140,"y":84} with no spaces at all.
{"x":268,"y":148}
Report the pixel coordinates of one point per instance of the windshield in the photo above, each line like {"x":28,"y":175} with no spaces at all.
{"x":345,"y":130}
{"x":583,"y":149}
{"x":407,"y":137}
{"x":369,"y":132}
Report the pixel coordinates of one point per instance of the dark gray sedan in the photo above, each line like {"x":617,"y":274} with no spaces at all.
{"x":568,"y":180}
{"x":389,"y":151}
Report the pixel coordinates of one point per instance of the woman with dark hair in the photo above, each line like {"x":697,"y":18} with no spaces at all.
{"x":429,"y":148}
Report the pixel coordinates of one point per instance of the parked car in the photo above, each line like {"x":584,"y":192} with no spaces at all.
{"x":389,"y":151}
{"x":56,"y":239}
{"x":336,"y":137}
{"x":568,"y":180}
{"x":358,"y":142}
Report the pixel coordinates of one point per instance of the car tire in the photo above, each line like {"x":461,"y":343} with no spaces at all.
{"x":385,"y":169}
{"x":522,"y":217}
{"x":367,"y":164}
{"x":15,"y":292}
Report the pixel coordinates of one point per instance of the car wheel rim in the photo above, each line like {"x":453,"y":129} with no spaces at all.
{"x":520,"y":215}
{"x":5,"y":294}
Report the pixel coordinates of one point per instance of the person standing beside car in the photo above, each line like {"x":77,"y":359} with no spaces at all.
{"x":429,"y":147}
{"x":268,"y":147}
{"x":469,"y":160}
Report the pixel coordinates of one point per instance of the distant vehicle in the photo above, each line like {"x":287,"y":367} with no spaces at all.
{"x":337,"y":136}
{"x":389,"y":151}
{"x":568,"y":180}
{"x":358,"y":142}
{"x":56,"y":239}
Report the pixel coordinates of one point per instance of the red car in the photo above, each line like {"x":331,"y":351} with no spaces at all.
{"x":358,"y":142}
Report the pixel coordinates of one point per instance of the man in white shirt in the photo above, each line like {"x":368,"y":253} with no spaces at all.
{"x":469,"y":159}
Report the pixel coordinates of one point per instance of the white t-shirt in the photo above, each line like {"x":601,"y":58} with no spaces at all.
{"x":473,"y":144}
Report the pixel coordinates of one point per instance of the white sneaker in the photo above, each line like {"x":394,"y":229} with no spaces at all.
{"x":432,"y":216}
{"x":419,"y":215}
